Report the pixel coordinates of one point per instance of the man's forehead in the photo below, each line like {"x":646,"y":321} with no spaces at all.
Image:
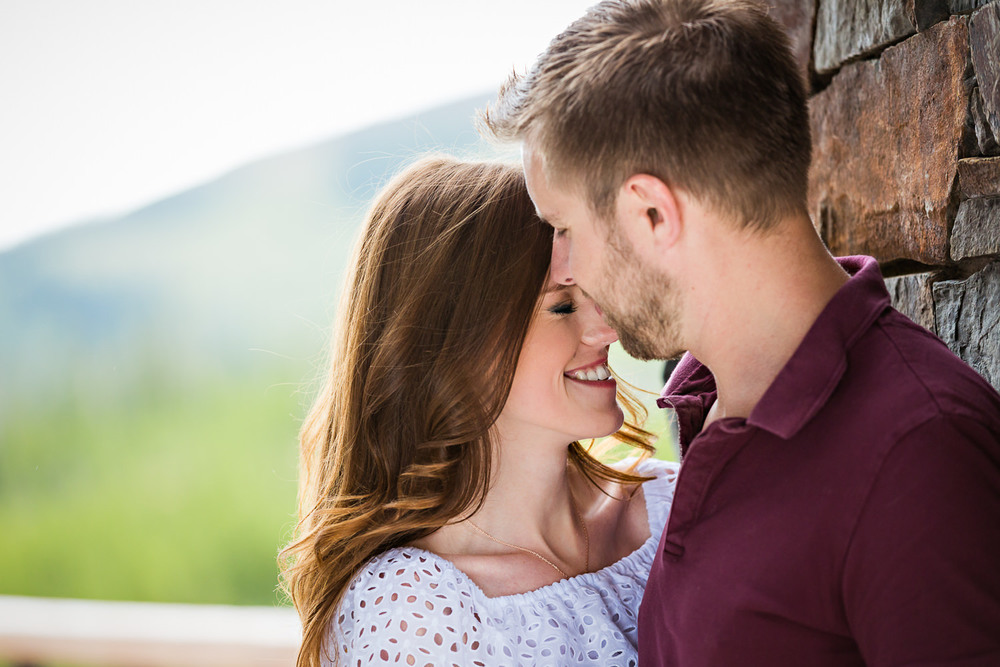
{"x":538,"y":186}
{"x":534,"y":166}
{"x":529,"y":156}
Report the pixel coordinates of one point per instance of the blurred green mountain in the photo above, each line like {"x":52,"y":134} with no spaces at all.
{"x":213,"y":279}
{"x":155,"y":368}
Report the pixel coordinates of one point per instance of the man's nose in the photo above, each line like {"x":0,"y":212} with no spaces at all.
{"x":561,"y":273}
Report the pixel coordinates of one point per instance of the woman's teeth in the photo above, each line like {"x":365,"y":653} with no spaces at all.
{"x":593,"y":374}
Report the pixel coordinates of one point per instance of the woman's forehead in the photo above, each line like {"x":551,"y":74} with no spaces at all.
{"x":552,"y":286}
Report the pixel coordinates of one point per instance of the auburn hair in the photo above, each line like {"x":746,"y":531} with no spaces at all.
{"x":703,"y":94}
{"x":445,"y":280}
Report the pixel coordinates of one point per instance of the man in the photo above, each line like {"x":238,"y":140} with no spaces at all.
{"x":839,"y":497}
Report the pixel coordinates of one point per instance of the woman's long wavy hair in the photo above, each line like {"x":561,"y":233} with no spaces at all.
{"x":445,"y":281}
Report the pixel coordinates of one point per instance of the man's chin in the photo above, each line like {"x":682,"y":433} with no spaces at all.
{"x":636,"y":347}
{"x":643,"y":348}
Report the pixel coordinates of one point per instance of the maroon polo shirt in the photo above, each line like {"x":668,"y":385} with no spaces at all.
{"x":852,"y":519}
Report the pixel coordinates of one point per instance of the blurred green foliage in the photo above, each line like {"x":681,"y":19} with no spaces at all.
{"x":172,"y":493}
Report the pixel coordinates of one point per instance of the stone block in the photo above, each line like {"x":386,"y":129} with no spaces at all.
{"x":977,"y":228}
{"x":797,"y":17}
{"x":849,"y":29}
{"x":967,"y":315}
{"x":979,"y":139}
{"x":912,"y":296}
{"x":965,"y":6}
{"x":887,"y":136}
{"x":925,"y":13}
{"x":984,"y":40}
{"x":979,"y":177}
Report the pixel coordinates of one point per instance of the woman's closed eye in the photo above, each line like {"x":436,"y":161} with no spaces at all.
{"x":563,"y":308}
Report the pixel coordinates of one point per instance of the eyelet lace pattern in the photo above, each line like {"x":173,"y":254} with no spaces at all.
{"x":411,"y":607}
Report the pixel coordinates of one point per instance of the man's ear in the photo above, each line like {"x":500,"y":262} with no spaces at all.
{"x":652,"y":211}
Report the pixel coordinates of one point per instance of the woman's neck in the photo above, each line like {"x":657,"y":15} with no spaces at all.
{"x":530,"y":493}
{"x":535,"y":501}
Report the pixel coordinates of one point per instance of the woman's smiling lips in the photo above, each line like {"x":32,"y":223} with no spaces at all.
{"x":594,"y":374}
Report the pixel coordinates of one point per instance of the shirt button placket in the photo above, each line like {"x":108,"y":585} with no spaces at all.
{"x":706,"y":457}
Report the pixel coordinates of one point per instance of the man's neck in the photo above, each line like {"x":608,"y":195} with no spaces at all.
{"x":759,"y":296}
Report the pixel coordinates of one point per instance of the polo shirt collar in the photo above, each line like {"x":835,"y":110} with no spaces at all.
{"x":807,"y":380}
{"x":810,"y":376}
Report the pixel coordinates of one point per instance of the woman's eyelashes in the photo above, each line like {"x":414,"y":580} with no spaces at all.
{"x":563,"y":308}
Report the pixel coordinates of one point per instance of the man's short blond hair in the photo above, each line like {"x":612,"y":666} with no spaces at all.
{"x":704,"y":94}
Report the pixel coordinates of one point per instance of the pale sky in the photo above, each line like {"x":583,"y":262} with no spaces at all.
{"x":106,"y":105}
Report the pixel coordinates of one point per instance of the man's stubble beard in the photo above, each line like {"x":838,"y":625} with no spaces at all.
{"x":640,"y":304}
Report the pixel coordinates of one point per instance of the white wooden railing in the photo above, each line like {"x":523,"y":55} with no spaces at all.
{"x":39,"y":631}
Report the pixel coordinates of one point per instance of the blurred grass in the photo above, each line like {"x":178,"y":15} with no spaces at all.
{"x":170,"y":493}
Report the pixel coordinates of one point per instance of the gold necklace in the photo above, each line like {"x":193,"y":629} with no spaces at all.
{"x":586,"y":541}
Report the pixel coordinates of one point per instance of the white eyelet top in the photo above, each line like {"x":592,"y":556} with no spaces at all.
{"x":411,"y":607}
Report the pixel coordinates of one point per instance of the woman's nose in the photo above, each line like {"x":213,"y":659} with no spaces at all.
{"x":596,"y":331}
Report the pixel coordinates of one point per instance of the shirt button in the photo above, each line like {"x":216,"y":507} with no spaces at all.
{"x":673,"y":549}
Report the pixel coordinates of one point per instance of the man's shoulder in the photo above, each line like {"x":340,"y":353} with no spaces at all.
{"x":912,"y":370}
{"x":887,"y":378}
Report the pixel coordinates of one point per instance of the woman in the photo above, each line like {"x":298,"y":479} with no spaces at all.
{"x":448,"y":513}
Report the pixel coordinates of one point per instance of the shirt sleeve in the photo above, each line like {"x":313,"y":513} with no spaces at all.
{"x":405,"y":610}
{"x":922,"y":573}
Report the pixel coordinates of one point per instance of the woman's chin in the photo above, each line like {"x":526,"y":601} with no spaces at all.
{"x":619,"y":422}
{"x":610,"y":426}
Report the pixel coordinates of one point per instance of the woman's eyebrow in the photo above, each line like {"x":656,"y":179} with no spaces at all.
{"x":556,"y":288}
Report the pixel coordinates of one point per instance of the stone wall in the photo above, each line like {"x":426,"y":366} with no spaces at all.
{"x":905,"y":112}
